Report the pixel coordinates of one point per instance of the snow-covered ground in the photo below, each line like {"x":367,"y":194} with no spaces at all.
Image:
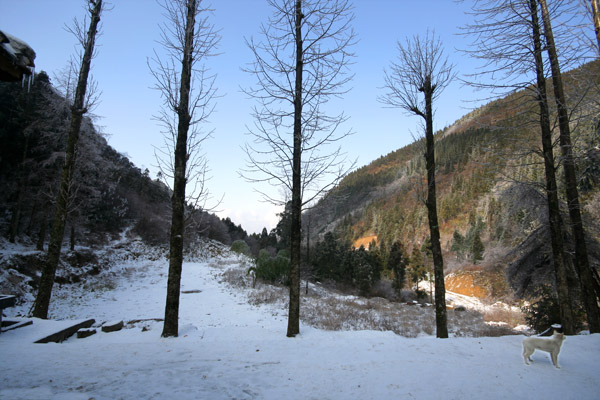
{"x":228,"y":349}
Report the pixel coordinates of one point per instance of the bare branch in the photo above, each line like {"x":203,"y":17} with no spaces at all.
{"x":167,"y":74}
{"x":419,"y":59}
{"x":327,"y":37}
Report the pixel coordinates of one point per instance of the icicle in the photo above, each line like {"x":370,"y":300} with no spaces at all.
{"x":30,"y":77}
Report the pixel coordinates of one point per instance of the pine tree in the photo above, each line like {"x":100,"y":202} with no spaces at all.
{"x":458,"y":245}
{"x":397,"y":263}
{"x":477,"y":248}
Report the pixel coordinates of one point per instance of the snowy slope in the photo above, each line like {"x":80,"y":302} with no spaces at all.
{"x":228,"y":349}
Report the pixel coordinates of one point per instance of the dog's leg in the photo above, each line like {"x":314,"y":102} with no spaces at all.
{"x":554,"y":359}
{"x":526,"y":355}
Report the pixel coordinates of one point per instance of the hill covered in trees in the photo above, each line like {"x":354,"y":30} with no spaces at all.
{"x":111,"y":195}
{"x":491,"y":200}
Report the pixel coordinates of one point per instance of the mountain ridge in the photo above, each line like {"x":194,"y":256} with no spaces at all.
{"x":111,"y":194}
{"x":487,"y":169}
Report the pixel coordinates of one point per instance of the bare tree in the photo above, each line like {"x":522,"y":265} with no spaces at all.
{"x":554,"y":217}
{"x":592,"y":8}
{"x":589,"y":286}
{"x":596,"y":17}
{"x":507,"y":39}
{"x":300,"y":63}
{"x":78,"y":109}
{"x":66,"y":79}
{"x":413,"y":84}
{"x":187,"y":39}
{"x":505,"y":36}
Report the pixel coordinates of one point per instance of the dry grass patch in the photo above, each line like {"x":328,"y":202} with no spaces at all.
{"x":510,"y":316}
{"x":331,"y":310}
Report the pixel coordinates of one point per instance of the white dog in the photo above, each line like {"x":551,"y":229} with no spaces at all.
{"x":551,"y":345}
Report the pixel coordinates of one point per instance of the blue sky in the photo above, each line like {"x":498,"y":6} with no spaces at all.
{"x":129,"y":34}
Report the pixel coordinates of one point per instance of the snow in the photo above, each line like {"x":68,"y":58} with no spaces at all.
{"x":22,"y":55}
{"x":9,"y":49}
{"x":229,"y":349}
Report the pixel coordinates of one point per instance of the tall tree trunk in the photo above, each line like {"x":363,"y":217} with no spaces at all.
{"x":307,"y":254}
{"x":42,"y":301}
{"x":42,"y":234}
{"x":589,"y":288}
{"x":171,"y":325}
{"x":32,"y":222}
{"x":596,"y":18}
{"x":15,"y":218}
{"x":294,"y":307}
{"x":72,"y":239}
{"x":434,"y":230}
{"x":556,"y":230}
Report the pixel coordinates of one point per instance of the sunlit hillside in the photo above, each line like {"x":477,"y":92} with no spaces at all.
{"x":489,"y":180}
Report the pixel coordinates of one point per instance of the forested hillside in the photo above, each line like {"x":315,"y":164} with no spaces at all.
{"x":491,"y":199}
{"x":110,"y":193}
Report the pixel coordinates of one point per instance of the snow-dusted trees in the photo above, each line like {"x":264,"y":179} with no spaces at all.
{"x":412,"y":84}
{"x":187,"y":39}
{"x":78,"y":109}
{"x":300,"y":62}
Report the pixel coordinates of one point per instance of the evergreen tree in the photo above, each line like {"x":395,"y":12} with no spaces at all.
{"x":417,"y":270}
{"x":458,"y":245}
{"x":367,"y":270}
{"x":328,"y":259}
{"x":473,"y":243}
{"x":283,"y":229}
{"x":396,"y":262}
{"x":477,"y":249}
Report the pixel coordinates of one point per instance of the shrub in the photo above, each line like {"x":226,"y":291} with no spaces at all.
{"x":151,"y":230}
{"x":543,"y":311}
{"x":271,"y":269}
{"x":240,"y":247}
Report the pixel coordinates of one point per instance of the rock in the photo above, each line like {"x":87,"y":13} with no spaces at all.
{"x":83,"y":333}
{"x":67,"y":332}
{"x":460,"y":308}
{"x":16,"y":58}
{"x":112,"y":326}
